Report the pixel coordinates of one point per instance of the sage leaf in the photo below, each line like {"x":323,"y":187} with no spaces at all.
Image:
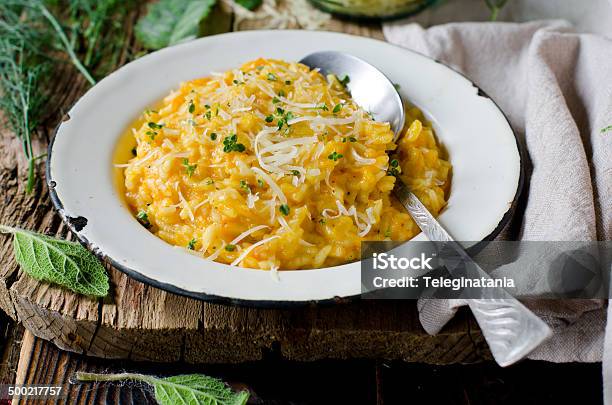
{"x":249,"y":4}
{"x":190,"y":389}
{"x":169,"y":22}
{"x":58,"y":261}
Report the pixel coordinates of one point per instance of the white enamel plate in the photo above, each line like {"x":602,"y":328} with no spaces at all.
{"x":487,"y":174}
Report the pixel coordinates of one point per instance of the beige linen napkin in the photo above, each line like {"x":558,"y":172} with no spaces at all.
{"x":556,"y":88}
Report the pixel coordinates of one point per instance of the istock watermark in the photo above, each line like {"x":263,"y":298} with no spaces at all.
{"x":423,"y":269}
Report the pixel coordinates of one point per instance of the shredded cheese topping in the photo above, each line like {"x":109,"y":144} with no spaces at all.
{"x":273,"y":166}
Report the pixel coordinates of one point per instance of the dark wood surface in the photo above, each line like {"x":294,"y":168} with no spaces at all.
{"x":274,"y":381}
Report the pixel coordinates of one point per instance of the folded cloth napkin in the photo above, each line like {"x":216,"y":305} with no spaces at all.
{"x":555,"y":86}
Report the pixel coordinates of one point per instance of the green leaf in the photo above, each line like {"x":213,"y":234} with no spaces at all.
{"x":250,"y":4}
{"x":168,"y":22}
{"x":58,"y":261}
{"x":189,"y":389}
{"x":196,"y":389}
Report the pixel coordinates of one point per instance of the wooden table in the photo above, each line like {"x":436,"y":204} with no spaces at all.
{"x":139,"y":322}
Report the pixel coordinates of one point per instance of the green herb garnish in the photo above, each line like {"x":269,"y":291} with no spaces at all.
{"x":275,"y":100}
{"x":213,"y":136}
{"x":335,"y":156}
{"x":337,"y":108}
{"x":269,"y":118}
{"x":143,"y":218}
{"x":394,"y":168}
{"x":345,"y":80}
{"x":192,"y":243}
{"x":245,"y":186}
{"x":284,"y":209}
{"x":606,"y":129}
{"x":260,"y":182}
{"x":191,"y":107}
{"x":271,"y":77}
{"x":230,"y":144}
{"x":189,"y":169}
{"x":230,"y":248}
{"x":155,"y":126}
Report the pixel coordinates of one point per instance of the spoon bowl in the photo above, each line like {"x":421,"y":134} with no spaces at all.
{"x":369,"y":87}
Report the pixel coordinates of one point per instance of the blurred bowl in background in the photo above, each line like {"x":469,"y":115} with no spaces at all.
{"x":372,"y":10}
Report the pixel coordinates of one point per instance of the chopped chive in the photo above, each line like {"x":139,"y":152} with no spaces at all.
{"x":230,"y":248}
{"x":281,"y":93}
{"x":287,"y":82}
{"x":271,"y":77}
{"x":213,"y":136}
{"x":154,"y":125}
{"x":335,"y":156}
{"x":275,"y":100}
{"x":284,"y":209}
{"x":143,"y":218}
{"x":244,"y":185}
{"x":191,"y":107}
{"x":189,"y":169}
{"x":295,"y":173}
{"x":337,"y":108}
{"x":394,"y":163}
{"x":260,"y":182}
{"x":269,"y":118}
{"x":191,"y":244}
{"x":345,"y":80}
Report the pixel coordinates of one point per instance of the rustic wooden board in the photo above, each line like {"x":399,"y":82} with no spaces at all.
{"x":140,"y":322}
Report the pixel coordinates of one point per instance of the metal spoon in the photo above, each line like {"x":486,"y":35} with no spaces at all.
{"x":511,"y":330}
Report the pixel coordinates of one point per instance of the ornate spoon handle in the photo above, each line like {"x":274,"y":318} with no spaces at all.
{"x":511,"y":329}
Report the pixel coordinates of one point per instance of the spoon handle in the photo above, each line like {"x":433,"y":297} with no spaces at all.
{"x":511,"y":329}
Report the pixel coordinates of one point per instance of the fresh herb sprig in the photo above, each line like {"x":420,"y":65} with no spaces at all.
{"x":178,"y":389}
{"x":21,"y":73}
{"x":58,"y":261}
{"x":495,"y":6}
{"x":31,"y":34}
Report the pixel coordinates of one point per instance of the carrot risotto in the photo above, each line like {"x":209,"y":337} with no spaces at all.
{"x":273,"y":166}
